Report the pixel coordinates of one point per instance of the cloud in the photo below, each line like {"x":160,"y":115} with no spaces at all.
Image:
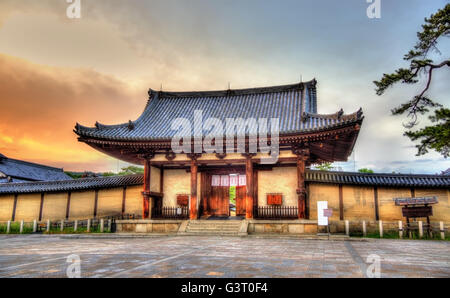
{"x":40,"y":105}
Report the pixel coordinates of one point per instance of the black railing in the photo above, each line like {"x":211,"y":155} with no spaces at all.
{"x":170,"y":212}
{"x":275,"y":212}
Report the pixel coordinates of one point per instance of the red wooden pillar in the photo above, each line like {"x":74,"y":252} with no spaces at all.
{"x":250,"y":191}
{"x":193,"y":214}
{"x":302,"y":157}
{"x":146,"y":192}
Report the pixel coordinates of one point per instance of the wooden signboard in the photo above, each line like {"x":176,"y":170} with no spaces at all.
{"x":415,"y":201}
{"x":417,"y":211}
{"x":275,"y":199}
{"x":182,"y":200}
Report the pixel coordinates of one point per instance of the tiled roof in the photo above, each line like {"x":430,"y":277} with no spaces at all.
{"x":71,"y":185}
{"x":20,"y":170}
{"x":405,"y":180}
{"x":294,"y":105}
{"x":397,"y":180}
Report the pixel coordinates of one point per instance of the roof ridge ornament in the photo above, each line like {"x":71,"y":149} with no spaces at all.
{"x":359,"y":113}
{"x":130,"y":125}
{"x":340,"y":113}
{"x":305,"y":116}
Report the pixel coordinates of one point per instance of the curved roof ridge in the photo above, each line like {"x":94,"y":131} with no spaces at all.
{"x":33,"y":164}
{"x":233,"y":92}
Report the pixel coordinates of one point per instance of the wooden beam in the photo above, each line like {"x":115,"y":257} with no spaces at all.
{"x":95,"y":203}
{"x":124,"y":198}
{"x":153,"y":194}
{"x":255,"y":188}
{"x":341,"y":203}
{"x":307,"y":201}
{"x":375,"y":199}
{"x":146,"y":198}
{"x":13,"y":216}
{"x":193,"y":214}
{"x":250,"y":190}
{"x":41,"y":206}
{"x":161,"y":180}
{"x":69,"y":194}
{"x":302,"y":157}
{"x":301,"y":187}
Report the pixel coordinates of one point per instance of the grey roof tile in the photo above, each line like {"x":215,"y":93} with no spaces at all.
{"x":296,"y":112}
{"x":26,"y":171}
{"x":376,"y":179}
{"x":72,"y":185}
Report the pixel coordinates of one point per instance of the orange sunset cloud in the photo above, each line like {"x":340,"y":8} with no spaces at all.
{"x":40,"y":105}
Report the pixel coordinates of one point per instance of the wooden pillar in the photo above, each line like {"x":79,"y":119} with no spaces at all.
{"x":375,"y":200}
{"x":341,"y":203}
{"x":249,"y":182}
{"x":41,"y":206}
{"x":193,"y":214}
{"x":95,"y":203}
{"x":302,"y":157}
{"x":69,"y":194}
{"x":146,"y":192}
{"x":124,"y":199}
{"x":13,"y":216}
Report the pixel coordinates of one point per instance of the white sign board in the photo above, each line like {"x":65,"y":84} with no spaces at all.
{"x":215,"y":180}
{"x":224,"y":180}
{"x":321,"y":219}
{"x":233,"y":180}
{"x":242,"y":180}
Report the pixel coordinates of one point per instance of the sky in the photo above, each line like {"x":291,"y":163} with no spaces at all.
{"x":56,"y":71}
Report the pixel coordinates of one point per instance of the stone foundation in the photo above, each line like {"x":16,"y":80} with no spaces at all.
{"x":282,"y":226}
{"x":254,"y":226}
{"x":148,"y":226}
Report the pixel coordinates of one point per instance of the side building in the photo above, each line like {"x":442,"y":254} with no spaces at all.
{"x":14,"y":170}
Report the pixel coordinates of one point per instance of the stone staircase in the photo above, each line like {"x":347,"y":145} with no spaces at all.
{"x":214,"y":227}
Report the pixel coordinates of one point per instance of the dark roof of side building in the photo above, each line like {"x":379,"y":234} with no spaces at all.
{"x":295,"y":106}
{"x":15,"y":170}
{"x":72,"y":185}
{"x":363,"y":179}
{"x":378,"y":179}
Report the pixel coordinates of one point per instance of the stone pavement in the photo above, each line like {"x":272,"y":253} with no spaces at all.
{"x":200,"y":256}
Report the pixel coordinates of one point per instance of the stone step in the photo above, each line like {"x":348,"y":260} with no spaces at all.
{"x":215,"y":225}
{"x":216,"y":221}
{"x":206,"y":233}
{"x":211,"y":229}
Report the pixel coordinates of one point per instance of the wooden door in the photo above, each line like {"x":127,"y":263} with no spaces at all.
{"x":240,"y":200}
{"x":219,"y":201}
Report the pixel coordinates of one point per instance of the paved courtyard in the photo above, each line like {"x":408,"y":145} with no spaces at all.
{"x":46,"y":256}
